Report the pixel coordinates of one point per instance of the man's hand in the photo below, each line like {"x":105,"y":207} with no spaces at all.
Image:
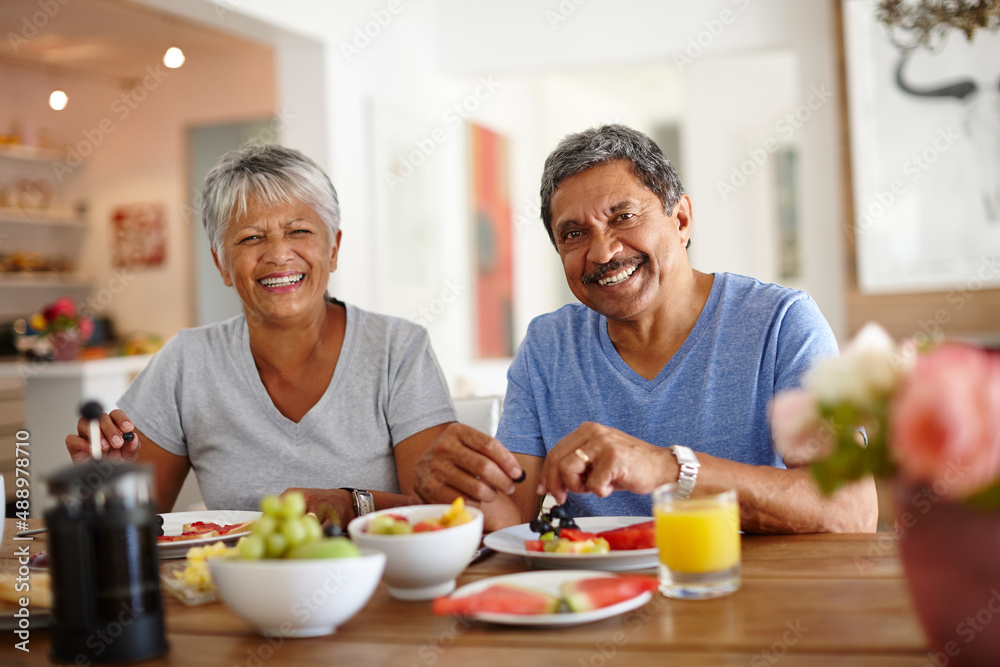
{"x":113,"y":427}
{"x":464,"y":461}
{"x":598,"y":459}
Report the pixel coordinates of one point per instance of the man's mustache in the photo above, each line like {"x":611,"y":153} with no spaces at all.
{"x":612,"y":267}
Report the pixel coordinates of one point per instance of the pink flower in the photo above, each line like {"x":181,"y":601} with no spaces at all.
{"x":798,"y":433}
{"x":86,"y":327}
{"x":945,"y":424}
{"x":62,"y":306}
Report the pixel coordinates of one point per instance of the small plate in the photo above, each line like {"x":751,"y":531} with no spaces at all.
{"x":548,"y":582}
{"x":173,"y":524}
{"x":511,"y":541}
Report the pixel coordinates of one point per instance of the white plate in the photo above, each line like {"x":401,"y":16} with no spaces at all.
{"x":548,"y":582}
{"x":173,"y":524}
{"x":511,"y":541}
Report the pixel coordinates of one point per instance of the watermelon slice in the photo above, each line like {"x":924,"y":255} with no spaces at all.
{"x":636,"y":536}
{"x":498,"y":599}
{"x":597,"y":592}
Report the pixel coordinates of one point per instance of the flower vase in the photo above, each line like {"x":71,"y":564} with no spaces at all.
{"x":65,"y":345}
{"x":951,"y":558}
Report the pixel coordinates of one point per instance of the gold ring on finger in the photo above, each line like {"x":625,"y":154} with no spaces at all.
{"x":582,"y":455}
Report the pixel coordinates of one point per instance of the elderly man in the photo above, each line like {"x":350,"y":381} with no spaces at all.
{"x":660,"y":374}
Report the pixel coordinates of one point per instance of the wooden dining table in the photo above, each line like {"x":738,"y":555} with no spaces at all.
{"x":806,"y":600}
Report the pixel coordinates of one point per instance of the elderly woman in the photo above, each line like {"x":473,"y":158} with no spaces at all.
{"x":302,"y":390}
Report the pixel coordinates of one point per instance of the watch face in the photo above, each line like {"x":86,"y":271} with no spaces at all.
{"x":364,"y":503}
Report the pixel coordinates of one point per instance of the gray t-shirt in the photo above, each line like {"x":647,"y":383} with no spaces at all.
{"x":202,"y":397}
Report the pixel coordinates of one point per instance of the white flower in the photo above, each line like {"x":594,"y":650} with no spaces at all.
{"x":869,"y":370}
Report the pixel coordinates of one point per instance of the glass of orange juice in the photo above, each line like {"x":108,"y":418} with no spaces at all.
{"x":699,"y":542}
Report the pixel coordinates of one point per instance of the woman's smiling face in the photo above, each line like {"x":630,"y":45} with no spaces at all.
{"x":279,"y":257}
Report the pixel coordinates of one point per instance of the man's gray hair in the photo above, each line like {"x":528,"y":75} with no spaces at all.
{"x":267,"y":174}
{"x":600,"y":145}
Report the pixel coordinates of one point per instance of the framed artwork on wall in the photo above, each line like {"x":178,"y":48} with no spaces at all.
{"x":139,"y":235}
{"x":491,"y":233}
{"x":925,"y":157}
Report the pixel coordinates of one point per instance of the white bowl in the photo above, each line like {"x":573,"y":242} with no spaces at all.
{"x":422,"y":566}
{"x":297,"y":598}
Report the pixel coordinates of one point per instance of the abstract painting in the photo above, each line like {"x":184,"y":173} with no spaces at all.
{"x":491,"y":233}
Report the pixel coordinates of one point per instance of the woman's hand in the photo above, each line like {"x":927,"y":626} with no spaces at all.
{"x":608,"y":460}
{"x":464,"y":461}
{"x":113,"y":428}
{"x":322,"y":502}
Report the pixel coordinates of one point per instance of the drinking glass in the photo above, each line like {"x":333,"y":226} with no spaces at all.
{"x":699,"y":542}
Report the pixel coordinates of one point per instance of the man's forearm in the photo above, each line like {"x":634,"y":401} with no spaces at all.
{"x":774,"y":500}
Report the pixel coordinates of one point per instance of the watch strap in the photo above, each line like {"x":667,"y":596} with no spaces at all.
{"x":688,"y":475}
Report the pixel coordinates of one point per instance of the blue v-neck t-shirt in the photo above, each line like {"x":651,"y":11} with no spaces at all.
{"x":751,"y":340}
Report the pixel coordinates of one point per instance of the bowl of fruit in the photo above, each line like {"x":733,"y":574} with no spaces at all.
{"x":427,"y":546}
{"x":287,"y":579}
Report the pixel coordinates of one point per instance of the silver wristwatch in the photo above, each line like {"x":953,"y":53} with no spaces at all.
{"x":689,"y":465}
{"x":361,"y":501}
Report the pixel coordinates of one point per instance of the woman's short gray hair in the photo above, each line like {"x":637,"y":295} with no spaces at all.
{"x":266,"y":174}
{"x":600,"y":145}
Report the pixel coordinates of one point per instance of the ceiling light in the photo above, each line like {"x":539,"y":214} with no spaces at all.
{"x":58,"y":100}
{"x":173,"y":58}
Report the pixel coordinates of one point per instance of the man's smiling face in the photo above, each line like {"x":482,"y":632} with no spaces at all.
{"x":619,"y":249}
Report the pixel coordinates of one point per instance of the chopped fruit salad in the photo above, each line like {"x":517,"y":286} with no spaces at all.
{"x":560,"y":534}
{"x":397,"y":524}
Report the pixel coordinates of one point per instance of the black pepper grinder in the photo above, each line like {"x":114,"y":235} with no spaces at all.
{"x":101,"y":525}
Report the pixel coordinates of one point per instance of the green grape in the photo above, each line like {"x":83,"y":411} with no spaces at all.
{"x":277,"y":545}
{"x":271,"y":505}
{"x":251,"y":547}
{"x":264,"y":526}
{"x":314,"y":531}
{"x":294,"y":531}
{"x":293,"y":506}
{"x":381,"y":525}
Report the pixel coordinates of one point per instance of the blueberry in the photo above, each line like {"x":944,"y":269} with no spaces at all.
{"x":332,"y":530}
{"x":539,"y":526}
{"x":560,"y":512}
{"x":568,"y":522}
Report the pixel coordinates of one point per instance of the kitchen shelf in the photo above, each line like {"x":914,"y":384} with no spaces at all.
{"x":34,"y":279}
{"x":51,"y":217}
{"x":30,"y":153}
